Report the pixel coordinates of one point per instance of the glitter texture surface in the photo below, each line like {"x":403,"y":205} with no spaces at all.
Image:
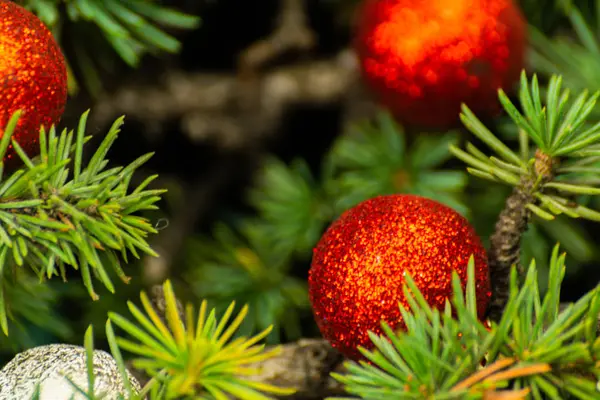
{"x":359,"y":265}
{"x":33,"y":76}
{"x":422,"y":59}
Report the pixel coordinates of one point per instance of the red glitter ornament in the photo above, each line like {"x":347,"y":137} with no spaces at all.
{"x":358,"y":266}
{"x":33,"y":76}
{"x":422,"y":59}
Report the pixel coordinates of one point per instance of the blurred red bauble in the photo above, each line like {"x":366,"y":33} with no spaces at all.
{"x":358,"y":266}
{"x":423,"y":58}
{"x":33,"y":76}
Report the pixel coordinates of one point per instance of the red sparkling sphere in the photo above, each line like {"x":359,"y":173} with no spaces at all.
{"x":422,"y":59}
{"x":357,"y":274}
{"x":33,"y":76}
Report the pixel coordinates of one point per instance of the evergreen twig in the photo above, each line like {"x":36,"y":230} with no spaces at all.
{"x":130,"y":27}
{"x":51,"y":218}
{"x":194,"y":356}
{"x":563,"y":139}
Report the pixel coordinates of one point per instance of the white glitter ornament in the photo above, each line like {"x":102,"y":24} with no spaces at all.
{"x":48,"y":365}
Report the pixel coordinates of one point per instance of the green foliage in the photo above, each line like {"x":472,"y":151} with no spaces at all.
{"x":543,"y":14}
{"x":559,"y":132}
{"x":534,"y":349}
{"x":577,"y":242}
{"x":292,"y":205}
{"x":244,"y":266}
{"x":129,"y":26}
{"x":574,"y":56}
{"x":193,"y":356}
{"x":33,"y":317}
{"x":53,"y":216}
{"x":374,"y":159}
{"x":371,"y":159}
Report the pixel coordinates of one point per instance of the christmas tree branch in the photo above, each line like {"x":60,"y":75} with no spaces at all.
{"x":505,"y":242}
{"x":304,"y":365}
{"x":541,"y":349}
{"x":544,"y":179}
{"x":53,"y":216}
{"x":192,"y":354}
{"x":129,"y":27}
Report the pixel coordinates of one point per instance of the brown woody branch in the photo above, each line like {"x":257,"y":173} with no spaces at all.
{"x":505,"y":242}
{"x":292,"y":33}
{"x":231,"y":110}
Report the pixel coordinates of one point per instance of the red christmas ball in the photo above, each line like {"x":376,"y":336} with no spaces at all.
{"x":358,"y":267}
{"x":422,"y":59}
{"x":33,"y":76}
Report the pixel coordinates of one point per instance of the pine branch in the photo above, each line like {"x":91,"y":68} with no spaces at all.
{"x":544,"y":180}
{"x":379,"y":158}
{"x":574,"y":56}
{"x":129,"y":27}
{"x":244,"y":265}
{"x":533,"y":349}
{"x":53,"y":216}
{"x":304,"y":365}
{"x":194,"y":354}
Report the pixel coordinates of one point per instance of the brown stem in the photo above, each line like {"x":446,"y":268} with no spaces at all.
{"x":505,"y":245}
{"x":505,"y":242}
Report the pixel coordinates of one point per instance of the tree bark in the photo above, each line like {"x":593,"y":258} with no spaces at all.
{"x":505,"y":246}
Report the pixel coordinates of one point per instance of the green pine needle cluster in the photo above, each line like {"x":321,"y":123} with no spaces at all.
{"x":298,"y":190}
{"x":132,"y":28}
{"x":241,"y":266}
{"x":566,"y":146}
{"x":380,"y":150}
{"x":58,"y":213}
{"x":32,"y":310}
{"x":535,"y":350}
{"x":187,"y":355}
{"x":575,"y":56}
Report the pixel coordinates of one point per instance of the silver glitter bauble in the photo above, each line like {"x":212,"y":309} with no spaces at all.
{"x":48,"y":365}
